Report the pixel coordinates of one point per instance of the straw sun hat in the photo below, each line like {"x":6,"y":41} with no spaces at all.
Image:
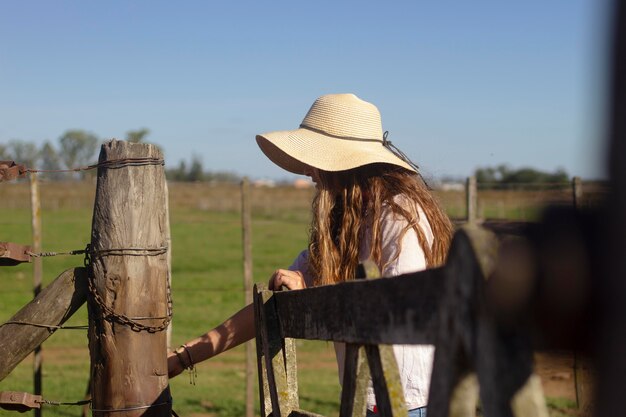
{"x":339,"y":132}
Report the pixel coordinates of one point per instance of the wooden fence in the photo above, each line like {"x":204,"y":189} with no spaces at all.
{"x":446,"y":307}
{"x":486,"y":310}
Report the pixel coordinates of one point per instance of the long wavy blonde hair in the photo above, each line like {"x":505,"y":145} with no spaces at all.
{"x":345,"y":201}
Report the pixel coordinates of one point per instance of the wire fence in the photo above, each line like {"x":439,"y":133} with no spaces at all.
{"x":193,"y":204}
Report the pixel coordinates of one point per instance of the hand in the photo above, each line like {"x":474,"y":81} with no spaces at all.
{"x":294,"y":280}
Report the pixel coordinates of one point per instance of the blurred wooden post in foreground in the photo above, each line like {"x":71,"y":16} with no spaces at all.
{"x":247,"y":276}
{"x":472,"y":197}
{"x":129,"y":302}
{"x":35,"y":207}
{"x":583,"y":367}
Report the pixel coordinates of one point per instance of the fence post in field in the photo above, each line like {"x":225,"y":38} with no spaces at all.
{"x":35,"y":206}
{"x":472,"y":196}
{"x":168,"y":243}
{"x":583,"y":374}
{"x":129,"y":297}
{"x":247,"y":276}
{"x":577,"y":191}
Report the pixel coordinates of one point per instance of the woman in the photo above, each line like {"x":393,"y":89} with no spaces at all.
{"x":371,"y":202}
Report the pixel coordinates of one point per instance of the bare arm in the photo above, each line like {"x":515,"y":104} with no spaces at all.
{"x":234,"y":331}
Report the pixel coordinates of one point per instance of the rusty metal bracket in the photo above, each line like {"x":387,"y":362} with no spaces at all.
{"x":19,"y":401}
{"x":9,"y":170}
{"x":12,"y":254}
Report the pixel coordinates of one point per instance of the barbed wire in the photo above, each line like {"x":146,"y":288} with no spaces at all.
{"x":11,"y":170}
{"x":50,"y":402}
{"x":49,"y":254}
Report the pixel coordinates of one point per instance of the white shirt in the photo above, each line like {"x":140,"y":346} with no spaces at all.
{"x":414,"y":361}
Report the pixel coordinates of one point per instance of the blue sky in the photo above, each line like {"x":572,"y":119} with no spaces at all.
{"x":460,"y":85}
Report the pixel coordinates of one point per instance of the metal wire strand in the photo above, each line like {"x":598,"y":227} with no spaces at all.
{"x":111,"y":164}
{"x":47,"y":326}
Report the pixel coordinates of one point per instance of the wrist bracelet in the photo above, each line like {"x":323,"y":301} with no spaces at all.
{"x":193,"y":372}
{"x":186,"y":349}
{"x":180,"y":358}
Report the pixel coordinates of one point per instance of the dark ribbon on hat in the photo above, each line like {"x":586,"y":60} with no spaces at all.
{"x":397,"y":152}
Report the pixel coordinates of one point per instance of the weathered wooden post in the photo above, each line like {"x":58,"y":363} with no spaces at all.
{"x":129,"y":300}
{"x":35,"y":208}
{"x":577,"y":191}
{"x":248,"y":286}
{"x":168,"y":243}
{"x":472,"y":196}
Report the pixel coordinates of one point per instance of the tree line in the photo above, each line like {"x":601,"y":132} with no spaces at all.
{"x":77,"y":148}
{"x":504,"y":176}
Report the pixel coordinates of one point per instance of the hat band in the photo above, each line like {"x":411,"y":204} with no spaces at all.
{"x":385,"y":142}
{"x":322,"y":132}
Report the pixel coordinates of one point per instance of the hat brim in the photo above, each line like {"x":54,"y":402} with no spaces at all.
{"x":295,"y":150}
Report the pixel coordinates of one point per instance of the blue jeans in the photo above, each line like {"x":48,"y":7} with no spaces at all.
{"x":416,"y":412}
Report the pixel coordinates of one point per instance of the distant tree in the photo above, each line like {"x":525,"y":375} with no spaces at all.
{"x":50,"y":160}
{"x":503,"y":176}
{"x":221,"y":176}
{"x":23,"y":152}
{"x":4,"y":152}
{"x":77,"y":148}
{"x":178,"y":173}
{"x":485,"y":175}
{"x":196,"y":171}
{"x":137,"y":136}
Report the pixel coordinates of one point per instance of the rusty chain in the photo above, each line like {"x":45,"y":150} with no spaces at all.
{"x":110,"y":314}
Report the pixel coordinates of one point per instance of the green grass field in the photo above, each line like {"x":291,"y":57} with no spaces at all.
{"x":207,"y":286}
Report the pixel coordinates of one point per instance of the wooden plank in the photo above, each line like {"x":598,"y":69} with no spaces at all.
{"x":279,"y":359}
{"x":472,"y":339}
{"x":281,"y":368}
{"x":406,"y":310}
{"x":53,"y":306}
{"x":384,"y":368}
{"x":259,"y":324}
{"x":450,"y":388}
{"x":356,"y":375}
{"x":386,"y":381}
{"x":129,"y":261}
